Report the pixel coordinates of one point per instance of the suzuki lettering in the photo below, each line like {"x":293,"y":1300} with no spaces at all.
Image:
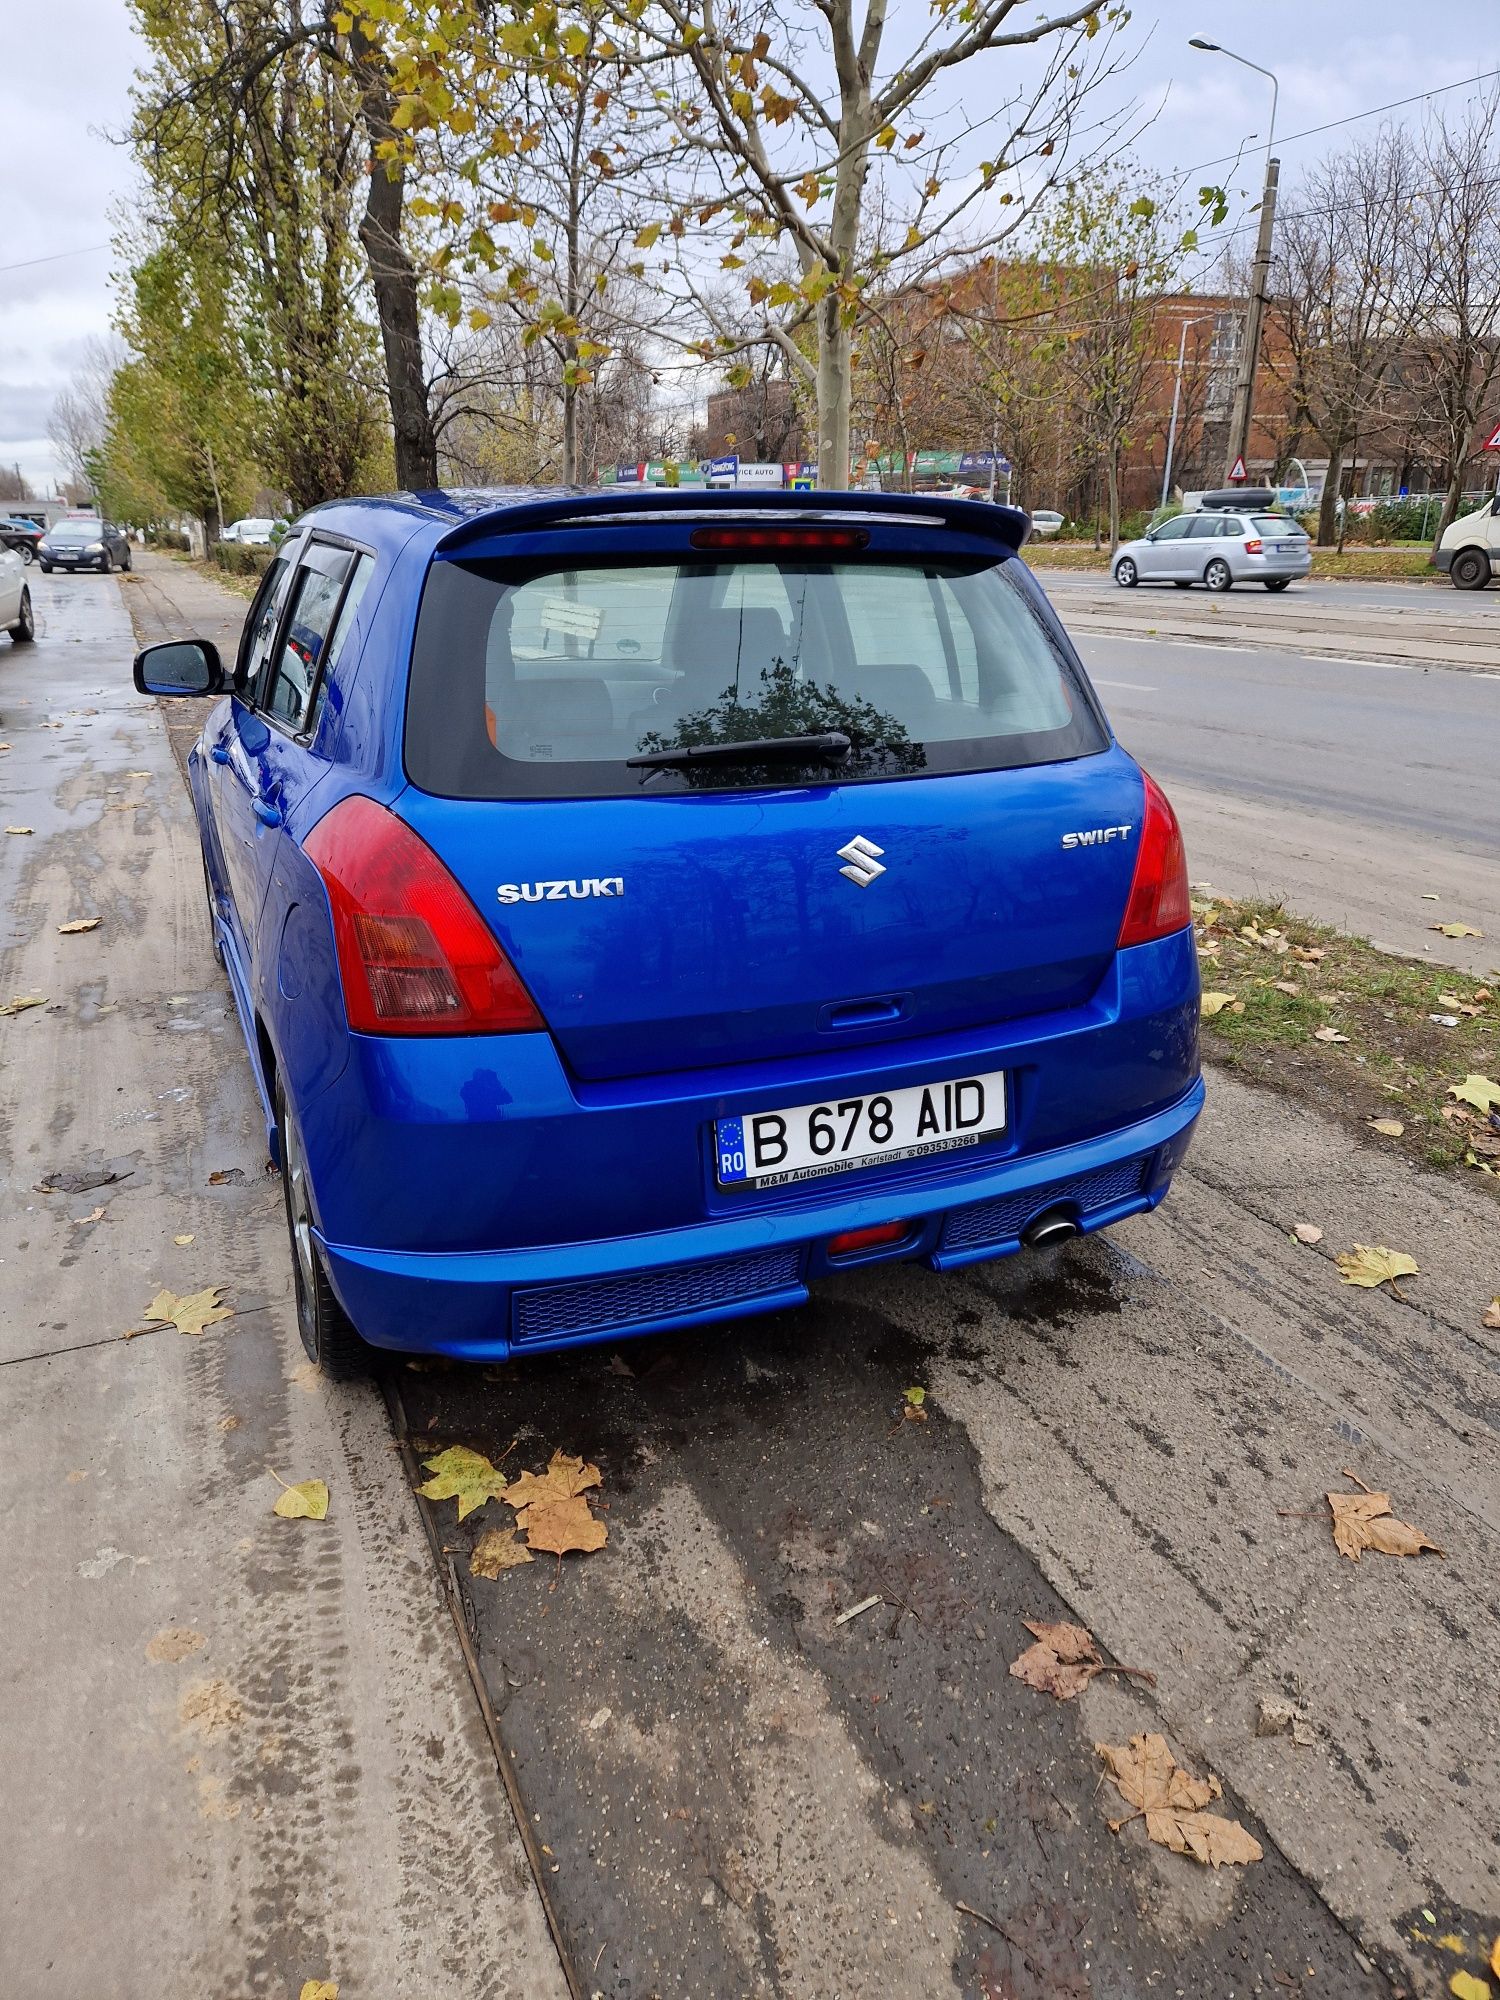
{"x":561,"y":892}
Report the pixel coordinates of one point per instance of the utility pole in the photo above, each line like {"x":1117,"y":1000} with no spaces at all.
{"x":1244,"y":388}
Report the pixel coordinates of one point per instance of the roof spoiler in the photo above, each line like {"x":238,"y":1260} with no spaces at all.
{"x":1008,"y":526}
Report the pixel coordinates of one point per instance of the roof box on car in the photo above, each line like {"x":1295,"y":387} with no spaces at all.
{"x":1238,"y":497}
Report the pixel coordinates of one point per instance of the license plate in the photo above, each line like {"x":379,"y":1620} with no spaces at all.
{"x":772,"y":1148}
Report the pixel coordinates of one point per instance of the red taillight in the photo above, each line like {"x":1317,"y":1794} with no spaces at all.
{"x":779,"y":538}
{"x":1159,"y":893}
{"x":866,"y":1239}
{"x":1254,"y":546}
{"x":414,"y":955}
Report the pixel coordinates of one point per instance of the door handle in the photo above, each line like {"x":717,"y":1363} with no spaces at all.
{"x":265,"y":812}
{"x":219,"y":754}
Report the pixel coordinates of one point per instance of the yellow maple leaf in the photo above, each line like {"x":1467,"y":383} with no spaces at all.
{"x":306,"y":1501}
{"x":1481,"y":1091}
{"x":564,"y":1479}
{"x":78,"y":924}
{"x":1468,"y":1987}
{"x":319,"y":1989}
{"x":1456,"y":930}
{"x":1171,"y":1802}
{"x":1214,"y":1003}
{"x":1371,"y":1264}
{"x":22,"y":1001}
{"x":558,"y":1526}
{"x":498,"y":1549}
{"x":192,"y":1311}
{"x":1364,"y":1520}
{"x":463,"y":1475}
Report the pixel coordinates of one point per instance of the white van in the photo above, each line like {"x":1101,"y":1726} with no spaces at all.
{"x":1470,"y":549}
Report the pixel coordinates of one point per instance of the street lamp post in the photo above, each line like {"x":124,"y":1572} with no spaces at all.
{"x":1244,"y":388}
{"x":1166,"y":473}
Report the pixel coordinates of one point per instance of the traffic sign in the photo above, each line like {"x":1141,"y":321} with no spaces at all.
{"x":1237,"y":473}
{"x":1492,"y":442}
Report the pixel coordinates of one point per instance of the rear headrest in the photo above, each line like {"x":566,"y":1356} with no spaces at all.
{"x":706,"y":655}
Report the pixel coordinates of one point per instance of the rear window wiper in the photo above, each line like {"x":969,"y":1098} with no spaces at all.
{"x":830,"y":746}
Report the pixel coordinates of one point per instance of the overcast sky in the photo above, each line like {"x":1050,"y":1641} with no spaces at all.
{"x":65,"y":75}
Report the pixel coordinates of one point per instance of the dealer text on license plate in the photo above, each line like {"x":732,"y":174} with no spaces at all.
{"x":772,"y":1148}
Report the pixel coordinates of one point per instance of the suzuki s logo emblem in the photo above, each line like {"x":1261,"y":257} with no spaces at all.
{"x":863,"y":857}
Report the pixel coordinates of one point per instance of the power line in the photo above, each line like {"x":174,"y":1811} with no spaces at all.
{"x":31,"y":263}
{"x":1333,"y":125}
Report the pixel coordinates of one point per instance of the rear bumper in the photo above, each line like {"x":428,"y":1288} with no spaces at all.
{"x":1256,"y":569}
{"x":487,"y":1305}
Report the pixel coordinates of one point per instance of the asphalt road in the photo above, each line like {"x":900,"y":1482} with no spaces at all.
{"x":1355,"y":791}
{"x":1437,"y":599}
{"x":725,"y":1791}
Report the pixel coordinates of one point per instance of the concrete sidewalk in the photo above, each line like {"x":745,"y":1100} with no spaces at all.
{"x":240,"y":1751}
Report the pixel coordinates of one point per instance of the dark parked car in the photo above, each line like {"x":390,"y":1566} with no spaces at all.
{"x":22,"y":536}
{"x":83,"y":541}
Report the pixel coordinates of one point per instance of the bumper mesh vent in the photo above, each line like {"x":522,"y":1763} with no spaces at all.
{"x":593,"y":1305}
{"x":1002,"y":1220}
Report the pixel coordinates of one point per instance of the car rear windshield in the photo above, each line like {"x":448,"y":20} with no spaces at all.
{"x":1277,"y":524}
{"x":542,"y":685}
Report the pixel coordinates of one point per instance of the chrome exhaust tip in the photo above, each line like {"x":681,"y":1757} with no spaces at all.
{"x":1055,"y":1225}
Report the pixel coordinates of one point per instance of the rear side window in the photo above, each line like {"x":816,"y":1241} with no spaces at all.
{"x":543,"y":685}
{"x":315,"y":601}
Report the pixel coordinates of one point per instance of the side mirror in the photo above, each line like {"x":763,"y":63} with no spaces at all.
{"x":180,"y":666}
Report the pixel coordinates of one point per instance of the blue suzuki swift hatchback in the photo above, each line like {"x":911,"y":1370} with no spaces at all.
{"x":638,"y":905}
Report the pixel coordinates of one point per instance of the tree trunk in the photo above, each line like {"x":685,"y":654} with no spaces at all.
{"x":1113,"y":474}
{"x":1452,"y":500}
{"x":393,"y":278}
{"x":1328,"y":509}
{"x":834,"y":383}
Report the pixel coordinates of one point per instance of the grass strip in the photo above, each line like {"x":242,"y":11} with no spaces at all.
{"x":1290,"y":979}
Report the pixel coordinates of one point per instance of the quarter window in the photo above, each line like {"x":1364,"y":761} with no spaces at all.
{"x":304,"y":635}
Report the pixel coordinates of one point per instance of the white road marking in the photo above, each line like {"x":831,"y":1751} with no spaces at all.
{"x":1260,"y":653}
{"x":1138,"y":687}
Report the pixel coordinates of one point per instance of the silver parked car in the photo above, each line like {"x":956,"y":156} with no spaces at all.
{"x":1218,"y":548}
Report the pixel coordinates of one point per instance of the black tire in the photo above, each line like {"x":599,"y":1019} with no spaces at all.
{"x":1218,"y":575}
{"x":126,"y":564}
{"x":106,"y":563}
{"x":1278,"y":583}
{"x":328,"y":1333}
{"x":1471,"y":569}
{"x":1126,"y":573}
{"x":46,"y":569}
{"x":27,"y":553}
{"x":24,"y":630}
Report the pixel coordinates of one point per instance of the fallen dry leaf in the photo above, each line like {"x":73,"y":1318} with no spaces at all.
{"x":1371,"y":1264}
{"x":1468,"y":1987}
{"x":319,"y":1989}
{"x":1495,"y":1958}
{"x":1214,"y":1003}
{"x":173,"y":1643}
{"x":1459,"y":1006}
{"x":1307,"y":1232}
{"x":1492,"y":1317}
{"x":22,"y":1001}
{"x":913,"y":1408}
{"x":559,"y":1526}
{"x":78,"y":924}
{"x":1171,"y":1802}
{"x":94,"y":1215}
{"x":1364,"y":1520}
{"x":1456,"y":930}
{"x":498,"y":1549}
{"x":465,"y":1476}
{"x":306,"y":1501}
{"x":1388,"y":1128}
{"x":1310,"y":954}
{"x":1285,"y":986}
{"x":20,"y":829}
{"x":564,"y":1479}
{"x":1481,"y":1091}
{"x":192,"y":1312}
{"x":183,"y":1241}
{"x":1064,"y":1660}
{"x":1328,"y":1035}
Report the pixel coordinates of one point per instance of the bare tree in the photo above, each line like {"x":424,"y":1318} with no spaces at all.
{"x":1343,"y":295}
{"x":79,"y":418}
{"x":1451,"y":357}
